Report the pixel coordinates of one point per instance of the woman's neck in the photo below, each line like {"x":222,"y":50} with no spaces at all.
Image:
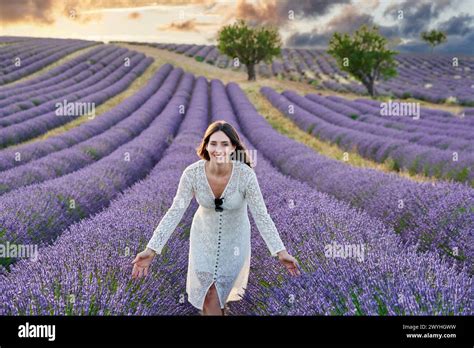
{"x":220,"y":169}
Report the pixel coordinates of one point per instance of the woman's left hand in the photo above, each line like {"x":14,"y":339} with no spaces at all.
{"x":289,"y":262}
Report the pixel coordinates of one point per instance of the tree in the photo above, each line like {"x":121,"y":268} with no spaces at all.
{"x":433,"y":38}
{"x":364,"y":56}
{"x":249,"y":45}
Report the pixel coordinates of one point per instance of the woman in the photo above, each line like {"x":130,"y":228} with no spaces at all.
{"x":223,"y":182}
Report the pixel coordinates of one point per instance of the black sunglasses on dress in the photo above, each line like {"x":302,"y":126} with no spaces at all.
{"x":218,"y":202}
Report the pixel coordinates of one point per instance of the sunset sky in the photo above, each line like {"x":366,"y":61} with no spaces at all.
{"x":311,"y":24}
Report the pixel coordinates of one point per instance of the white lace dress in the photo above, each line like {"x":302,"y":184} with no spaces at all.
{"x":219,"y":249}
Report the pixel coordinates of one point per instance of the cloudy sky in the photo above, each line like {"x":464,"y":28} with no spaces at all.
{"x":302,"y":23}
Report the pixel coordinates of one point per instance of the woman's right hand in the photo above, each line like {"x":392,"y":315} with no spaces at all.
{"x":142,"y":262}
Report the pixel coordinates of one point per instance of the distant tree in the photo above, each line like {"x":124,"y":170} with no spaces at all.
{"x":249,"y":45}
{"x":364,"y":56}
{"x":433,"y":38}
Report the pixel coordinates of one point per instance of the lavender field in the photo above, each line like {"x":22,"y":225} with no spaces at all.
{"x":88,"y":198}
{"x":435,"y":79}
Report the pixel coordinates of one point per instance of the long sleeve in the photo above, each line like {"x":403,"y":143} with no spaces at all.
{"x":265,"y":224}
{"x":174,"y":214}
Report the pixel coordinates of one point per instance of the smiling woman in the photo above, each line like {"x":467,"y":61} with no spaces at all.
{"x":223,"y":182}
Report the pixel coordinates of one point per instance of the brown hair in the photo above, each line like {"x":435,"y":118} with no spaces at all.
{"x":240,"y":153}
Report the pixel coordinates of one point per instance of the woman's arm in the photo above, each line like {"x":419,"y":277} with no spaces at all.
{"x":173,"y":216}
{"x":264,"y":222}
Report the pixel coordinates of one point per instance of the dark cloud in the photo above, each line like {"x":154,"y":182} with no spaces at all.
{"x":277,"y":12}
{"x":458,"y":25}
{"x":311,"y":39}
{"x":307,"y":8}
{"x":417,"y":15}
{"x":347,"y":21}
{"x":390,"y":32}
{"x":459,"y":44}
{"x":420,"y":16}
{"x":463,"y":45}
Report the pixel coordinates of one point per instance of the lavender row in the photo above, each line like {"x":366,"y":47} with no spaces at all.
{"x":14,"y":39}
{"x":95,"y":95}
{"x":73,"y":72}
{"x":316,"y":106}
{"x":48,"y":97}
{"x":438,"y":216}
{"x":90,"y":261}
{"x":94,"y":279}
{"x":38,"y":213}
{"x":432,"y":118}
{"x":415,"y":158}
{"x":426,"y":126}
{"x":426,"y":121}
{"x":432,"y":78}
{"x":76,"y":157}
{"x":35,"y":63}
{"x":22,"y":154}
{"x":378,"y":276}
{"x":30,"y":49}
{"x":51,"y":73}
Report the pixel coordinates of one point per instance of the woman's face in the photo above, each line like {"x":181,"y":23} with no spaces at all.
{"x":220,"y":148}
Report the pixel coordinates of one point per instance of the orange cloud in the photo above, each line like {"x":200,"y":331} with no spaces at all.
{"x":25,"y":11}
{"x":48,"y":11}
{"x":280,"y":12}
{"x":189,"y":25}
{"x":258,"y":13}
{"x":134,"y":15}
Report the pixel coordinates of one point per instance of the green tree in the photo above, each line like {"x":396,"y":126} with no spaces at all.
{"x":364,"y":56}
{"x":433,"y":38}
{"x":249,"y":45}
